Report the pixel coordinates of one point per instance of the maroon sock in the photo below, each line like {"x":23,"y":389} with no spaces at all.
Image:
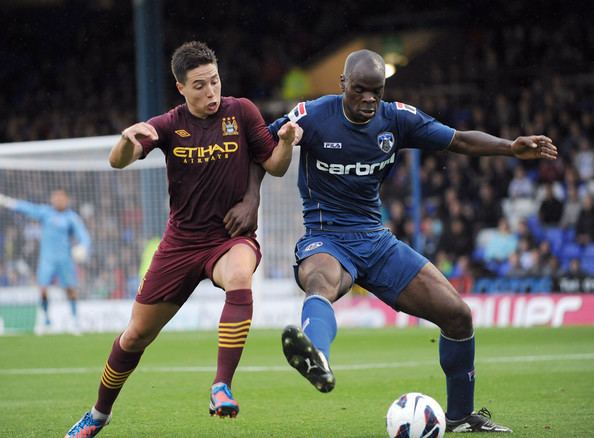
{"x":118,"y":367}
{"x":234,"y":326}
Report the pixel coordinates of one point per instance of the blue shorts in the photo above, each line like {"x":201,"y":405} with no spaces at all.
{"x":376,"y":260}
{"x":61,"y":269}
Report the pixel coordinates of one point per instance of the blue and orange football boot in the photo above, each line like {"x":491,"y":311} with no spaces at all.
{"x":87,"y":426}
{"x":222,"y":403}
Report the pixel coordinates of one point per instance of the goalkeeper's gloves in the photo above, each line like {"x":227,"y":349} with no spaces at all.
{"x":7,"y":201}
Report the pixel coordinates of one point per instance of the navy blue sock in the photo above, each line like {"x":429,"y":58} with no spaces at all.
{"x":318,"y":322}
{"x":457,"y":361}
{"x":45,"y":307}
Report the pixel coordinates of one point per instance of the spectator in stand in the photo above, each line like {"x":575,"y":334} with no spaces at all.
{"x":551,"y":267}
{"x":584,"y":228}
{"x":571,"y":208}
{"x":529,"y":258}
{"x":575,"y":269}
{"x":456,"y":240}
{"x":550,"y":209}
{"x":444,"y":262}
{"x":523,"y":232}
{"x":502,"y":244}
{"x":397,"y":217}
{"x":521,"y":186}
{"x":513,"y":267}
{"x":583,"y":159}
{"x":488,"y":210}
{"x":461,"y":276}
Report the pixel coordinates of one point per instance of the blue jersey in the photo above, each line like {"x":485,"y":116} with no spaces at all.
{"x":59,"y":229}
{"x":343,"y":164}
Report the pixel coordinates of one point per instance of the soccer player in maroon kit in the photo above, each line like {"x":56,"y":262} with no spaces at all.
{"x":210,"y":144}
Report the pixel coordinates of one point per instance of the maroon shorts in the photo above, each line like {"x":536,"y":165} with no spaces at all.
{"x":180,"y":263}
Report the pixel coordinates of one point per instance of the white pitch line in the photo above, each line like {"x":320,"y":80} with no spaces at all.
{"x":285,"y":368}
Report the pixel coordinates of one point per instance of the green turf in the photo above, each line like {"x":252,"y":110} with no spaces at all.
{"x":523,"y":377}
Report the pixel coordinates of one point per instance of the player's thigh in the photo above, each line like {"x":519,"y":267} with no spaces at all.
{"x":323,"y":274}
{"x":430,"y":296}
{"x":146,"y":322}
{"x":66,"y":273}
{"x":235,"y":268}
{"x":45,"y":272}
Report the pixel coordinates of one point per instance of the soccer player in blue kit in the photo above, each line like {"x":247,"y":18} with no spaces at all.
{"x":64,"y":237}
{"x":349,"y":145}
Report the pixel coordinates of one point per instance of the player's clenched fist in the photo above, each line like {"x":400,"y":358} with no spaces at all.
{"x":290,"y":133}
{"x":138,"y":131}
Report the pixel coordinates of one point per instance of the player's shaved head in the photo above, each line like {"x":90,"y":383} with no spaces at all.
{"x":362,"y":84}
{"x":365,"y":60}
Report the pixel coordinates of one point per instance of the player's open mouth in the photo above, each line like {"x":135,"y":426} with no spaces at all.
{"x":368,"y":111}
{"x":212,"y":106}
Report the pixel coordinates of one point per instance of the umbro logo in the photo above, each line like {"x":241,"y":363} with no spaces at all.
{"x":183,"y":133}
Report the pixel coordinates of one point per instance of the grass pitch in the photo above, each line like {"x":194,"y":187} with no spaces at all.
{"x":539,"y":381}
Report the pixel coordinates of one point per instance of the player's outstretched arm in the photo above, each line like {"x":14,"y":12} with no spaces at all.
{"x":477,"y":143}
{"x":128,"y":149}
{"x":242,"y":218}
{"x":288,"y":136}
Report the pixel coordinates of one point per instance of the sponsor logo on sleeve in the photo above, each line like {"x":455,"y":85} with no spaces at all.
{"x":298,"y":112}
{"x":406,"y":107}
{"x":332,"y":145}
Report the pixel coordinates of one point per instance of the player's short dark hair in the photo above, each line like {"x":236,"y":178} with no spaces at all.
{"x":189,"y":56}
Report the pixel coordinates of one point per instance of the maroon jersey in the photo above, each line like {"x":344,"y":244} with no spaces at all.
{"x":208,"y":161}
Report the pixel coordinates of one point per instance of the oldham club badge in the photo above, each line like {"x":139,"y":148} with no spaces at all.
{"x":385,"y":141}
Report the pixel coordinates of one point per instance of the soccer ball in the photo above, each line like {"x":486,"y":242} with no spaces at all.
{"x":415,"y":415}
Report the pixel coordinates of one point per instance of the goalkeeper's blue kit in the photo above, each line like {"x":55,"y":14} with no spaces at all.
{"x":59,"y":230}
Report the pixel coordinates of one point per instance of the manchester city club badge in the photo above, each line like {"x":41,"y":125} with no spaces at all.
{"x":385,"y":141}
{"x":230,"y":126}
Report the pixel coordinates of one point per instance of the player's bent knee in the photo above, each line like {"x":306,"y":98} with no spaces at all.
{"x":135,"y":340}
{"x":458,"y":324}
{"x":238,"y":279}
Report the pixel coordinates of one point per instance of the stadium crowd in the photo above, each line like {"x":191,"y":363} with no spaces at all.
{"x":488,"y":217}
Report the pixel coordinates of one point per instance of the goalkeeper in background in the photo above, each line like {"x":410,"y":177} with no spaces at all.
{"x":64,"y":241}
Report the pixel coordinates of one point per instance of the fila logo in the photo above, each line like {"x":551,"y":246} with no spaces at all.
{"x":183,"y":133}
{"x":330,"y":145}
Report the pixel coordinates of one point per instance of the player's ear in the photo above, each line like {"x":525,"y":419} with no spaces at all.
{"x":180,"y":87}
{"x":342,"y":85}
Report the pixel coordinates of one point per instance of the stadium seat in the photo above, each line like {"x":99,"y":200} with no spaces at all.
{"x":589,"y":250}
{"x":478,"y":255}
{"x":570,"y":251}
{"x":555,"y":238}
{"x":535,"y":227}
{"x":587,"y":263}
{"x":569,"y":234}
